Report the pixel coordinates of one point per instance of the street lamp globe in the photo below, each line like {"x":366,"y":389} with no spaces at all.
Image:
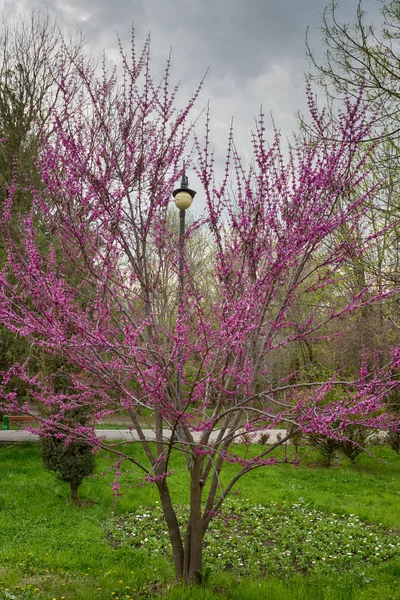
{"x":183,"y":196}
{"x":183,"y":199}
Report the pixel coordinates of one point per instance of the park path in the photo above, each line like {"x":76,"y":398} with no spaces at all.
{"x":20,"y":435}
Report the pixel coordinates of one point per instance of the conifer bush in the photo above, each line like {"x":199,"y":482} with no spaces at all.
{"x":71,"y":460}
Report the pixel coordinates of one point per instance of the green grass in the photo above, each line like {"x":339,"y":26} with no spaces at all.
{"x":50,"y":548}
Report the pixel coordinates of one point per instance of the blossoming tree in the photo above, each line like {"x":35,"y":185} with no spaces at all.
{"x":93,"y":279}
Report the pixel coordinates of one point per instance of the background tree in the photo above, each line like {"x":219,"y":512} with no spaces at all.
{"x":33,"y":60}
{"x":361,"y":55}
{"x":357,"y":56}
{"x":92,"y":297}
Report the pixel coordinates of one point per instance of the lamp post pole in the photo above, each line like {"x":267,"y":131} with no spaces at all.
{"x":183,"y":199}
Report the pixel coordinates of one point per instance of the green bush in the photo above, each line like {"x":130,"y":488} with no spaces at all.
{"x":72,"y":462}
{"x":351,"y":445}
{"x":325,"y":446}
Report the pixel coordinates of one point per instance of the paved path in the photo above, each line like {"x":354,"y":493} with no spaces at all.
{"x":19,"y":435}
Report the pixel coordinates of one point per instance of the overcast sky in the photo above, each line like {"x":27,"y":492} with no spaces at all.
{"x":255,"y":49}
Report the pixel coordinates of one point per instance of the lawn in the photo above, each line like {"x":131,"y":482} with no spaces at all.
{"x":51,"y":549}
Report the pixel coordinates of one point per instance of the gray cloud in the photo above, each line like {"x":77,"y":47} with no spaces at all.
{"x":235,"y":37}
{"x":255,"y":48}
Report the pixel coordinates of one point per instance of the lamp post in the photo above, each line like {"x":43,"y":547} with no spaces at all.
{"x":183,"y":199}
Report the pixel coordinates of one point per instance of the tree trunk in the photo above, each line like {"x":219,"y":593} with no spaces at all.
{"x":173,"y":528}
{"x":74,"y":490}
{"x":188,"y":558}
{"x":193,"y":552}
{"x":193,"y":548}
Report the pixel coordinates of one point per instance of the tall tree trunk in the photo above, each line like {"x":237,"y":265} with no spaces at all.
{"x":173,"y":528}
{"x":73,"y":484}
{"x":193,"y":548}
{"x":188,"y":558}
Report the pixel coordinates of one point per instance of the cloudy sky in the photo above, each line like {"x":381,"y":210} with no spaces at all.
{"x":255,"y":49}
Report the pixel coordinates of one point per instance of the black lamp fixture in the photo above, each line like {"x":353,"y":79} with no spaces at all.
{"x":183,"y":195}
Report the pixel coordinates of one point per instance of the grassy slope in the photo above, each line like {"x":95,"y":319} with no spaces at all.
{"x":53,"y":549}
